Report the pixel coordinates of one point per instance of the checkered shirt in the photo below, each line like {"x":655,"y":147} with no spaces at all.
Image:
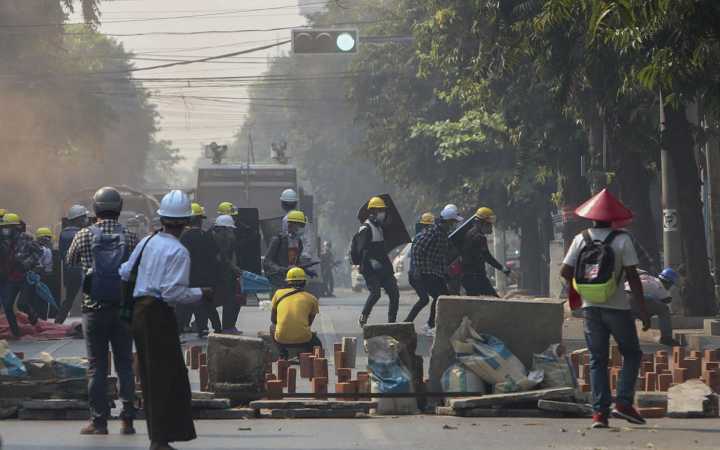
{"x":431,"y":252}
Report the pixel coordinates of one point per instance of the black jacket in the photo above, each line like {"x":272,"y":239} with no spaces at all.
{"x":204,"y":254}
{"x":475,"y":253}
{"x":372,"y":250}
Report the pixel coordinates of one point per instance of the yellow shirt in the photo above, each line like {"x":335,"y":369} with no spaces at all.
{"x":293,"y":316}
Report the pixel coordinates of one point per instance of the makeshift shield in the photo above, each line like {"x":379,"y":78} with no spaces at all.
{"x":270,"y":228}
{"x":249,"y":250}
{"x":394,"y":229}
{"x":457,"y":237}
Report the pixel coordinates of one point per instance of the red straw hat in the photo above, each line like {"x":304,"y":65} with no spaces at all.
{"x":604,"y":207}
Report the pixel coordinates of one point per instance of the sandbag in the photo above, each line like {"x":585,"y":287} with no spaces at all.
{"x":491,"y":360}
{"x":389,"y":375}
{"x":458,"y":378}
{"x":556,"y":367}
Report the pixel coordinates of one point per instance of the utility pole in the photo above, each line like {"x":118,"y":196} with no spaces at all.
{"x":712,"y":159}
{"x":499,"y":251}
{"x":672,"y":244}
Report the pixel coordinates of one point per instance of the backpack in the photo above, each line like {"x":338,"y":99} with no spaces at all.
{"x":595,"y":279}
{"x":355,"y":251}
{"x":109,"y":251}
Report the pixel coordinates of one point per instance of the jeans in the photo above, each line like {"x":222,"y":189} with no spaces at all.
{"x":662,"y":311}
{"x":73,"y":282}
{"x":600,"y":324}
{"x":9,"y":291}
{"x":374,"y":283}
{"x":102,"y":328}
{"x":426,"y":285}
{"x":476,"y":284}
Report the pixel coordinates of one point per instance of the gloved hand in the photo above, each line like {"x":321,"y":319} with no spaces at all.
{"x":311,"y":273}
{"x":375,"y":264}
{"x":507,"y":272}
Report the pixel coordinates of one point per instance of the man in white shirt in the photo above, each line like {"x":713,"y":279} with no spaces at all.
{"x":612,"y":316}
{"x":160,"y":265}
{"x":657,"y":299}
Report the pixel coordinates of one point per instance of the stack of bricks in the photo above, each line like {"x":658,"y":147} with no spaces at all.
{"x":195,"y":359}
{"x":659,"y":371}
{"x":314,"y":368}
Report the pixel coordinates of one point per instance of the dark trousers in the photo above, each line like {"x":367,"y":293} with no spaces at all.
{"x":304,"y":347}
{"x":426,"y":286}
{"x":202,"y":312}
{"x":477,"y":284}
{"x":104,"y":329}
{"x":73,"y":283}
{"x":600,"y":324}
{"x":375,"y":282}
{"x":9,"y":291}
{"x":163,"y":374}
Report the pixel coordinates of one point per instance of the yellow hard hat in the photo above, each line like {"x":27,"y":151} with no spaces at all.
{"x":3,"y":211}
{"x":10,"y":219}
{"x":376,"y":203}
{"x":197,"y":210}
{"x":227,"y":209}
{"x":427,"y":219}
{"x":485,"y":214}
{"x":43,"y":232}
{"x":295,"y":274}
{"x":297,"y":217}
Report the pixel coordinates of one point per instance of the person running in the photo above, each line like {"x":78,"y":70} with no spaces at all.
{"x":162,"y":267}
{"x":597,"y":264}
{"x":223,"y":233}
{"x":476,"y":254}
{"x":657,"y":302}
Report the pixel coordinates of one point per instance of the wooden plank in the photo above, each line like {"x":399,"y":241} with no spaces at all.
{"x":313,"y":413}
{"x":311,"y":404}
{"x":216,"y":403}
{"x":445,"y":411}
{"x":497,"y":400}
{"x":503,"y":412}
{"x":71,"y":388}
{"x":566,"y":408}
{"x":224,"y":414}
{"x":53,"y":414}
{"x":197,"y":395}
{"x":55,"y":404}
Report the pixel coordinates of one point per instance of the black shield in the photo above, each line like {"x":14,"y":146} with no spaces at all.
{"x":394,"y":229}
{"x":457,"y":237}
{"x":249,"y":245}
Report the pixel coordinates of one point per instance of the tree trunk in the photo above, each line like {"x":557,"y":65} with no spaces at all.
{"x":699,"y":297}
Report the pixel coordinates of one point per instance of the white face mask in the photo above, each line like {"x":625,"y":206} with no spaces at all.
{"x":7,"y":232}
{"x":381,"y":216}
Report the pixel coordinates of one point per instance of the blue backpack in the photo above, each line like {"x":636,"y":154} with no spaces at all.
{"x":109,"y":252}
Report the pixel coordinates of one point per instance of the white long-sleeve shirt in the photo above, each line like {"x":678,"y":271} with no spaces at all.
{"x":164,"y":270}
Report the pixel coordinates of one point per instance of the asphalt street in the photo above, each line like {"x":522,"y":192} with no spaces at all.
{"x":338,"y":318}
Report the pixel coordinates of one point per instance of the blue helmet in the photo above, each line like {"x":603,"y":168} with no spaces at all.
{"x":669,"y":275}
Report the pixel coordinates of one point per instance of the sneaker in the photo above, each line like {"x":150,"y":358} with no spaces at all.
{"x":599,"y":420}
{"x":126,"y":427}
{"x":629,"y":413}
{"x":94,"y":428}
{"x":362,"y":321}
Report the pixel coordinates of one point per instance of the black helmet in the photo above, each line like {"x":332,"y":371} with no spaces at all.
{"x":107,"y":199}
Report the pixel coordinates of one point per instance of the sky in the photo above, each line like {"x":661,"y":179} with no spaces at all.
{"x":192,"y":114}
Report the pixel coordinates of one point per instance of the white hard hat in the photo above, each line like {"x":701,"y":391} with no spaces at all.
{"x":175,"y":204}
{"x":450,"y":212}
{"x":76,"y":211}
{"x":289,"y":196}
{"x":225,"y":221}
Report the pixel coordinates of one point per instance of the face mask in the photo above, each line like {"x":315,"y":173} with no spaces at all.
{"x":486,"y":228}
{"x":381,"y":216}
{"x":7,"y":232}
{"x":299,"y":232}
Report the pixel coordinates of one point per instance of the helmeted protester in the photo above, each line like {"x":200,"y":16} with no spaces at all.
{"x":657,"y":302}
{"x":204,"y":269}
{"x":293,"y":312}
{"x":77,"y":219}
{"x":285,"y":249}
{"x":100,"y":249}
{"x":327,"y":266}
{"x":375,"y":264}
{"x":476,"y":254}
{"x":596,"y":266}
{"x":19,"y":255}
{"x":288,"y":202}
{"x":430,"y":259}
{"x":161,"y":265}
{"x":223,"y":232}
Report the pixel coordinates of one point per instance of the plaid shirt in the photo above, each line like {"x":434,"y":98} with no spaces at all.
{"x":80,"y":251}
{"x":431,"y":252}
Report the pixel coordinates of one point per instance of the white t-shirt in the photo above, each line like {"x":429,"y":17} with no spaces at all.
{"x":625,"y":256}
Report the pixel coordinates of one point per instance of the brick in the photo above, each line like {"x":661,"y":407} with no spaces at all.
{"x":340,"y":359}
{"x":615,"y":360}
{"x":585,"y":373}
{"x":337,"y":347}
{"x":320,"y":368}
{"x":319,"y":385}
{"x":664,"y":380}
{"x":204,"y":377}
{"x":349,"y":347}
{"x":319,"y":352}
{"x":661,"y":360}
{"x":662,"y":354}
{"x":282,"y":367}
{"x":345,"y":388}
{"x":711,"y":356}
{"x":712,"y":379}
{"x":652,"y":413}
{"x":363,"y":383}
{"x":694,"y":367}
{"x":195,"y":351}
{"x":711,"y":327}
{"x":291,"y":380}
{"x":646,"y":367}
{"x":575,"y":361}
{"x":661,"y":368}
{"x":678,"y":356}
{"x":584,"y":387}
{"x":306,"y":367}
{"x":651,"y":382}
{"x":270,"y":376}
{"x":274,"y":389}
{"x":680,"y":375}
{"x":696,"y":354}
{"x":344,"y":375}
{"x":586,"y":358}
{"x":640,"y":383}
{"x":203,"y":359}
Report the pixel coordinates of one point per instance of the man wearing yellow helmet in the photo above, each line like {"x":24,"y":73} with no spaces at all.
{"x":375,"y":266}
{"x":476,"y":253}
{"x":226,"y":209}
{"x":285,"y":249}
{"x":293,"y":313}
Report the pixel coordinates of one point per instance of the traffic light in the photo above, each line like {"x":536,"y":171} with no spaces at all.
{"x":312,"y":41}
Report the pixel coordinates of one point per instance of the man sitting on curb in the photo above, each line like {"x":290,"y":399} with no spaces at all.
{"x":657,"y":298}
{"x":293,"y":312}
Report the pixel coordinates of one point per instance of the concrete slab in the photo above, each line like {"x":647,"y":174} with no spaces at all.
{"x":403,"y":332}
{"x":236,"y":359}
{"x":516,"y":398}
{"x":527,"y":326}
{"x":712,"y":327}
{"x":692,"y":398}
{"x":700,"y":343}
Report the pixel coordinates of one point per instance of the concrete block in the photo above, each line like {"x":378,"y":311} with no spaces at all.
{"x":700,"y":342}
{"x":566,"y":408}
{"x":692,"y":399}
{"x":501,"y":412}
{"x":54,"y":414}
{"x":236,"y":359}
{"x":712,"y":327}
{"x":527,"y":326}
{"x":215,"y":403}
{"x":683,"y":336}
{"x":224,"y":414}
{"x":652,"y":413}
{"x":651,"y":399}
{"x":516,"y":398}
{"x":239,"y":393}
{"x":55,"y":404}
